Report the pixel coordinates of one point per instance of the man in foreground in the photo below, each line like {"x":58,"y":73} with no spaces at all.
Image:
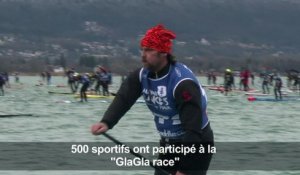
{"x":174,"y":96}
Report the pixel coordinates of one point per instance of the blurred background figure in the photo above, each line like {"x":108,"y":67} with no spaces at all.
{"x":228,"y":81}
{"x":49,"y":76}
{"x":17,"y":79}
{"x":6,"y":78}
{"x":245,"y":79}
{"x":85,"y":80}
{"x":265,"y":83}
{"x":277,"y":87}
{"x":2,"y":83}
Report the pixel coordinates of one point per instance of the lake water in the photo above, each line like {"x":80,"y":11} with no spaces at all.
{"x":54,"y":119}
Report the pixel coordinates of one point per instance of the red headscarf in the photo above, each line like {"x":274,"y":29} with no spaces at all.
{"x":158,"y":38}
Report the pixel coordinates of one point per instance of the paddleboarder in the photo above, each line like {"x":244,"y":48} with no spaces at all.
{"x":85,"y":80}
{"x":228,"y":81}
{"x":265,"y":83}
{"x":175,"y":97}
{"x":277,"y":87}
{"x":2,"y":82}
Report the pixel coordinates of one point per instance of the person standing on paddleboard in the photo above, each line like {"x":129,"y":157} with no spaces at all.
{"x":277,"y":87}
{"x":228,"y":81}
{"x":175,"y":97}
{"x":85,"y":80}
{"x":2,"y":83}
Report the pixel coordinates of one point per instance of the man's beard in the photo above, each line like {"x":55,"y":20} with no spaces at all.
{"x":153,"y":67}
{"x":150,"y":67}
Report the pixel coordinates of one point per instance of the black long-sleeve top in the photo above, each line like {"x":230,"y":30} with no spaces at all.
{"x":188,"y":103}
{"x":187,"y":96}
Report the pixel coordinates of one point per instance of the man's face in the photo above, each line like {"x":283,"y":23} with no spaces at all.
{"x":151,"y":59}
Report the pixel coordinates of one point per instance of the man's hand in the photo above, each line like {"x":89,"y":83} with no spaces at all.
{"x":99,"y":128}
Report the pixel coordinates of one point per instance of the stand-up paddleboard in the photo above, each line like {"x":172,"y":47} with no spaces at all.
{"x":65,"y":93}
{"x":96,"y":96}
{"x":216,"y":88}
{"x":222,"y":89}
{"x":294,"y":89}
{"x":101,"y":101}
{"x":52,"y":85}
{"x":262,"y":94}
{"x":60,"y":86}
{"x":92,"y":95}
{"x":41,"y":84}
{"x":69,"y":101}
{"x":70,"y":93}
{"x":14,"y":115}
{"x":211,"y":86}
{"x":289,"y":98}
{"x":287,"y":90}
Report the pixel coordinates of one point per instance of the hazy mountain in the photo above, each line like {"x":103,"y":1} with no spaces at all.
{"x":204,"y":28}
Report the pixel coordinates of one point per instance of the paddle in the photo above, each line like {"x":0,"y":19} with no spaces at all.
{"x":14,"y":115}
{"x":52,"y":92}
{"x":135,"y":154}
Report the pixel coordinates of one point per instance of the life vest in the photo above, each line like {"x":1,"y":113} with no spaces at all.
{"x":159,"y":95}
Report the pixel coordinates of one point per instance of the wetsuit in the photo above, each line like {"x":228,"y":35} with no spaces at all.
{"x":85,"y":84}
{"x":185,"y":120}
{"x":104,"y":81}
{"x":298,"y":80}
{"x":228,"y":82}
{"x":17,"y":77}
{"x":48,"y":74}
{"x":245,"y":78}
{"x":265,"y":83}
{"x":70,"y":75}
{"x":2,"y":82}
{"x":98,"y":83}
{"x":209,"y":77}
{"x":277,"y":88}
{"x":6,"y":78}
